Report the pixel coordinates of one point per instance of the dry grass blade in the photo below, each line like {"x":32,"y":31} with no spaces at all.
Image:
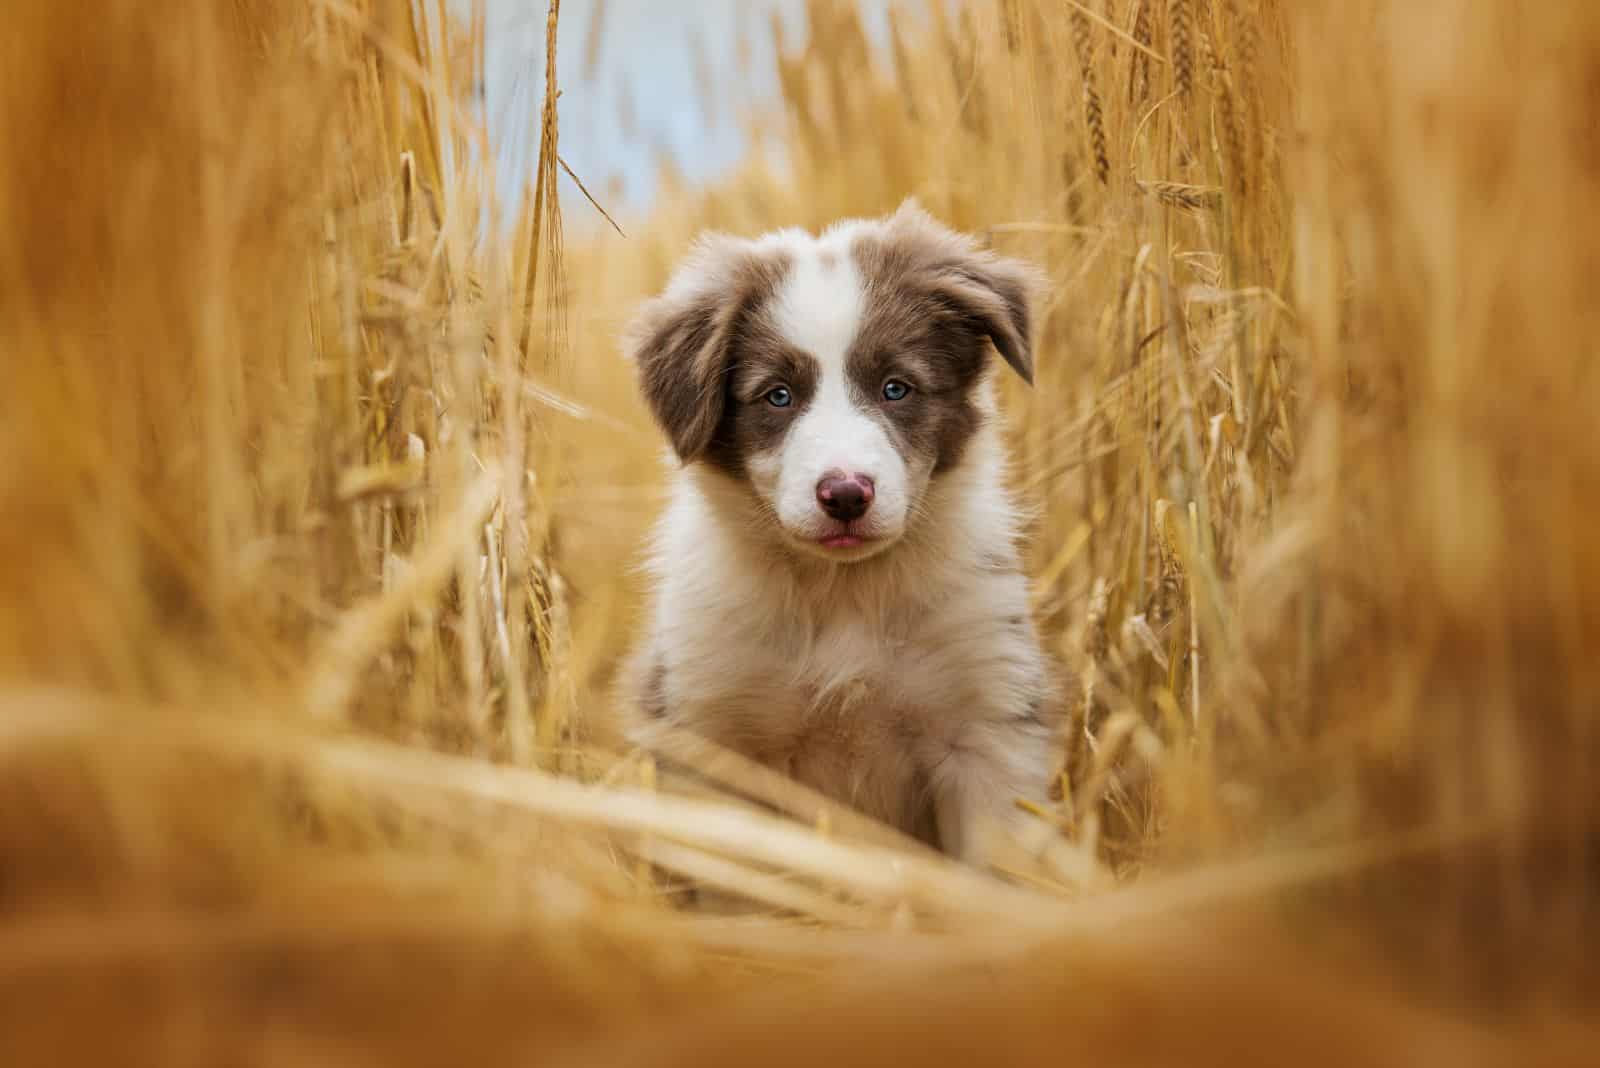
{"x":733,"y":772}
{"x":1079,"y":8}
{"x":365,"y":629}
{"x":543,"y":214}
{"x":590,"y":197}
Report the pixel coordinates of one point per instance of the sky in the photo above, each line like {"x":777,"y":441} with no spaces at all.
{"x":627,"y":72}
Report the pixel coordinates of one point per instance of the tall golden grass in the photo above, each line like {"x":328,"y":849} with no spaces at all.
{"x":320,"y":494}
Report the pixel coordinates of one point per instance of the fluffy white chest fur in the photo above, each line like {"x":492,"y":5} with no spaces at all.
{"x":837,"y":590}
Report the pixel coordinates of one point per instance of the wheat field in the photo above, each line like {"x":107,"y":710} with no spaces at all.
{"x":322,"y":480}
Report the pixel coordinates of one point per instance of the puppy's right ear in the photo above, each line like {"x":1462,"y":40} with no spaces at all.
{"x":685,"y":340}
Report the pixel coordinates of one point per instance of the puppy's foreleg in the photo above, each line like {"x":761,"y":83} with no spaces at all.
{"x":978,"y":782}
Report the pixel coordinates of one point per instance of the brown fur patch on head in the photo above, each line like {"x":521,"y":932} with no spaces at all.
{"x":684,"y":341}
{"x":935,"y":302}
{"x":961,"y":283}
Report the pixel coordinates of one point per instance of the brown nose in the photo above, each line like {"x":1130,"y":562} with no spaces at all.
{"x":845,"y":497}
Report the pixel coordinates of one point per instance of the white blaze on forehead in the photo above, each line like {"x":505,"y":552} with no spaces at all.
{"x":818,"y":310}
{"x":818,"y":307}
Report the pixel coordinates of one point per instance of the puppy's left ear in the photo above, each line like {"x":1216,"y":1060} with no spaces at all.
{"x":992,"y":294}
{"x":683,"y":342}
{"x":995,"y":296}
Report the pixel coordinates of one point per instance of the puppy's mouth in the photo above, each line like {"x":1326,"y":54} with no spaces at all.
{"x":849,"y":541}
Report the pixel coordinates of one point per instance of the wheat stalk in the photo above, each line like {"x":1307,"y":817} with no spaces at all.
{"x":1180,"y":30}
{"x":1093,"y":116}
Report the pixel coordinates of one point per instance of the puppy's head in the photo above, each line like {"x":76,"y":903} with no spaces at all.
{"x":836,"y":377}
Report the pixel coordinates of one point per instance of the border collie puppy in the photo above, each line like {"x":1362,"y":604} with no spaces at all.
{"x":837,"y":588}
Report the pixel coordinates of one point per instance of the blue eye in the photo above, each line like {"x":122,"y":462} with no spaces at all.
{"x":894,"y":390}
{"x":780,"y":397}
